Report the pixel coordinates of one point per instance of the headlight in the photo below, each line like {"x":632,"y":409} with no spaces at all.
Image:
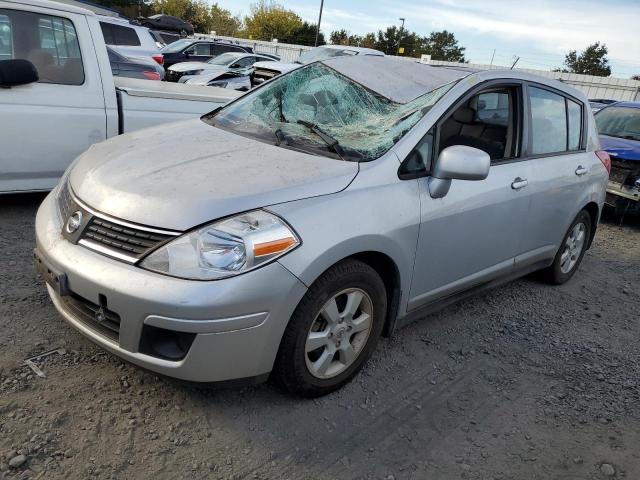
{"x":193,"y":72}
{"x":224,"y":248}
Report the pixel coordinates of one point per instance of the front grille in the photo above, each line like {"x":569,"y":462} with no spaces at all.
{"x":173,"y":76}
{"x":95,"y":317}
{"x":120,"y":239}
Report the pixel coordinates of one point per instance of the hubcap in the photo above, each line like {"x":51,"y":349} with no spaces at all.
{"x":339,"y":333}
{"x":573,"y":246}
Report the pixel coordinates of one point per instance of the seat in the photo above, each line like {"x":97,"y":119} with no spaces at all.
{"x":470,"y":133}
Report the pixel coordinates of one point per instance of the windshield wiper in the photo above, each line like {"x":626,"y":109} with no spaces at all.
{"x":331,"y":142}
{"x":280,"y":138}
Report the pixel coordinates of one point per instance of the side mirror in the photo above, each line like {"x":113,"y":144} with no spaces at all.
{"x":17,"y":72}
{"x":457,"y":162}
{"x":188,"y":53}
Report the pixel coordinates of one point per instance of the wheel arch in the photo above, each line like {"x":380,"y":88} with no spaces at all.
{"x":594,"y":213}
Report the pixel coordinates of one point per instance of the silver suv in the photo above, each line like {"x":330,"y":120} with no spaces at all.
{"x":283,"y":234}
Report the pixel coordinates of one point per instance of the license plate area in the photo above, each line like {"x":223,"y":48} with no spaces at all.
{"x":54,"y":278}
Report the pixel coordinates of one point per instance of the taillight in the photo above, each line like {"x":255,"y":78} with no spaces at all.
{"x":151,"y":75}
{"x":605,"y":159}
{"x":159,"y":59}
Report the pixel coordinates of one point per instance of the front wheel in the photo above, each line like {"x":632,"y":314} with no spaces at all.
{"x":333,"y":330}
{"x":573,"y":248}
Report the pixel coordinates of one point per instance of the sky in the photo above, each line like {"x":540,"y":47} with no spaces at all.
{"x":540,"y":32}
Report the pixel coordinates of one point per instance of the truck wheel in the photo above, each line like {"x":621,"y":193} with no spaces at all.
{"x":572,"y":249}
{"x":333,"y":331}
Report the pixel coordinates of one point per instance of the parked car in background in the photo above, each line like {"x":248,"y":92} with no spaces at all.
{"x":129,"y":40}
{"x":143,"y":69}
{"x":198,"y":50}
{"x":56,"y":92}
{"x":164,"y":38}
{"x":231,"y":80}
{"x":263,"y":72}
{"x":234,"y":62}
{"x":167,"y":22}
{"x":283,"y":233}
{"x":619,"y":129}
{"x":599,"y":103}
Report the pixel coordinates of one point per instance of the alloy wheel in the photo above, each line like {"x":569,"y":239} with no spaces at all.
{"x":339,"y":333}
{"x":573,"y":246}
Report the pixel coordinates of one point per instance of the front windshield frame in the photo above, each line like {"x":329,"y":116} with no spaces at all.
{"x":356,"y":141}
{"x":614,"y":127}
{"x":177,"y":46}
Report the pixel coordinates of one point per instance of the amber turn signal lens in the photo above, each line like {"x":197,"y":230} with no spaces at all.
{"x":275,"y":246}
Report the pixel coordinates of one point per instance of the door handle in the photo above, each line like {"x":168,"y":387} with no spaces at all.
{"x":581,"y":170}
{"x":519,"y":183}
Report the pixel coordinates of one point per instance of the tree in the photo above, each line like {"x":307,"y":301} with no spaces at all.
{"x":635,"y":77}
{"x":305,"y":35}
{"x":339,"y":37}
{"x":269,"y":20}
{"x":443,"y":46}
{"x":222,"y":22}
{"x":592,"y":61}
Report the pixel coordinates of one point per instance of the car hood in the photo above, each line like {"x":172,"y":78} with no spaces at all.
{"x":621,"y":148}
{"x":203,"y":78}
{"x":180,"y":175}
{"x":187,"y":66}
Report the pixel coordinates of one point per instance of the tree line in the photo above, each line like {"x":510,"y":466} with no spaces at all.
{"x":269,"y":20}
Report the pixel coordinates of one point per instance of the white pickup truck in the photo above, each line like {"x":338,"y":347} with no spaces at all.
{"x":58,"y":96}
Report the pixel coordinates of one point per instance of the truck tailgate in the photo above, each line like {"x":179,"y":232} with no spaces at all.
{"x":144,"y":103}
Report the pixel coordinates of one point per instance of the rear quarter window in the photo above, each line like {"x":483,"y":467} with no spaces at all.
{"x":119,"y":35}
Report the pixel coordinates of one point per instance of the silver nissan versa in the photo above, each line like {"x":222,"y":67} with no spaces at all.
{"x":284,"y":233}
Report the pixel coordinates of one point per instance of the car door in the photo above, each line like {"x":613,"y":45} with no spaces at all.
{"x":49,"y":123}
{"x":560,"y":169}
{"x":473,"y":233}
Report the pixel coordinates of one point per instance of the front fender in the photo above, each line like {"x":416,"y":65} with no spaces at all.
{"x":382,"y":218}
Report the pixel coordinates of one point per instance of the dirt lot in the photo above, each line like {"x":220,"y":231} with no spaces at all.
{"x":526,"y":381}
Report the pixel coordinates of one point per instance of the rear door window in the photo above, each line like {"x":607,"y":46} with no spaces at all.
{"x":548,"y":122}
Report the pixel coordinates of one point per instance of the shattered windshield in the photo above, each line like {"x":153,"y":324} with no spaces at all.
{"x":317,"y":110}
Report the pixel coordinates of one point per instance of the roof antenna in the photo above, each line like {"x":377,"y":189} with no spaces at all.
{"x":514,"y":62}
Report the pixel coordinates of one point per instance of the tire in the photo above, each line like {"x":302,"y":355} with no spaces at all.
{"x":562,"y":269}
{"x":303,"y":371}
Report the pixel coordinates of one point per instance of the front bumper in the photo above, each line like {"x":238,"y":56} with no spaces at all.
{"x":236,"y":324}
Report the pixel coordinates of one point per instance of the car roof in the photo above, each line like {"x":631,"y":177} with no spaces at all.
{"x":360,"y":50}
{"x":400,"y":81}
{"x":65,"y":7}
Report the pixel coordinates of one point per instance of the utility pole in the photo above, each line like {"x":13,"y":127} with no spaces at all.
{"x":319,"y":20}
{"x":492,"y":55}
{"x":400,"y":34}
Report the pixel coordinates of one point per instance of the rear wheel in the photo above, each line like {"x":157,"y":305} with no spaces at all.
{"x":333,"y":330}
{"x":572,"y":249}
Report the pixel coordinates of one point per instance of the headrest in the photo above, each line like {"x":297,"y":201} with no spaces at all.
{"x":464,"y":115}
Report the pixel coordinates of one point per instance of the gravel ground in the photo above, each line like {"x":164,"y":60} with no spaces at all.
{"x":527,"y":381}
